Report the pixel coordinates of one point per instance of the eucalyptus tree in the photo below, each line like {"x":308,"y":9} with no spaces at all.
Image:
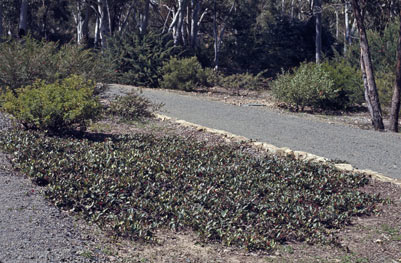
{"x":23,"y":18}
{"x":81,"y":12}
{"x":218,"y":31}
{"x":395,"y":101}
{"x":371,"y":95}
{"x":317,"y":11}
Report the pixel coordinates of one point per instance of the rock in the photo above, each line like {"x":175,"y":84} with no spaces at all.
{"x":344,"y":167}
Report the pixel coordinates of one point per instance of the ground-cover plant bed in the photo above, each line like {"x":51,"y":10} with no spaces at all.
{"x":136,"y":184}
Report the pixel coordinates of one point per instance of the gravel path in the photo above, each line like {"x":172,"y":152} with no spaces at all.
{"x":32,"y":230}
{"x":363,"y":149}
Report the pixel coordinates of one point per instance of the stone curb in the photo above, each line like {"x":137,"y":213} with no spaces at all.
{"x":284,"y":151}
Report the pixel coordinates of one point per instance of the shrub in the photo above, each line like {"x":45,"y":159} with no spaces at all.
{"x":24,"y":61}
{"x":54,"y":107}
{"x":347,"y":84}
{"x":74,"y":60}
{"x":244,"y":81}
{"x":385,"y":84}
{"x":139,"y":58}
{"x":183,"y":74}
{"x":308,"y":85}
{"x":213,"y":77}
{"x":132,"y":107}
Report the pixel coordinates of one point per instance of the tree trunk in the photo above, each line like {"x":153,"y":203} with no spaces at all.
{"x":372,"y":97}
{"x":177,"y":24}
{"x":194,"y":22}
{"x":104,"y":27}
{"x":180,"y":24}
{"x":82,"y":21}
{"x":317,"y":9}
{"x":347,"y":37}
{"x":337,"y":23}
{"x":292,"y":11}
{"x":218,"y":37}
{"x":1,"y":22}
{"x":395,"y":102}
{"x":145,"y":18}
{"x":215,"y":35}
{"x":23,"y":17}
{"x":44,"y":19}
{"x":97,"y":32}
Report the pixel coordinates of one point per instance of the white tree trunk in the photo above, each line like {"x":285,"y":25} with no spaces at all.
{"x":292,"y":10}
{"x":97,"y":32}
{"x":81,"y":18}
{"x":337,"y":23}
{"x":194,"y":22}
{"x":23,"y":18}
{"x":317,"y":10}
{"x":125,"y":17}
{"x":176,"y":26}
{"x":347,"y":32}
{"x":104,"y":19}
{"x":143,"y":24}
{"x":218,"y":37}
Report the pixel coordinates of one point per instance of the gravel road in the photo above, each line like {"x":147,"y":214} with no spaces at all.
{"x":34,"y":231}
{"x":378,"y":151}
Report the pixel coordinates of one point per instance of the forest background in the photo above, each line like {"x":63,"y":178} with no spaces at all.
{"x":307,"y":51}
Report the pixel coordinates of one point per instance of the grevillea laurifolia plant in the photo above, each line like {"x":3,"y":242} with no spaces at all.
{"x":56,"y":107}
{"x":137,"y":184}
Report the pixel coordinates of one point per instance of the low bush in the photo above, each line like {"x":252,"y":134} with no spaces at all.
{"x":347,"y":84}
{"x":24,"y":61}
{"x":213,"y":77}
{"x":183,"y":74}
{"x":136,"y":184}
{"x":332,"y":85}
{"x":55,"y":107}
{"x":74,"y":60}
{"x":132,"y":107}
{"x":307,"y":85}
{"x":244,"y":81}
{"x":385,"y":84}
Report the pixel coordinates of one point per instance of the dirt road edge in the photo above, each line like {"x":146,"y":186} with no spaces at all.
{"x":283,"y":151}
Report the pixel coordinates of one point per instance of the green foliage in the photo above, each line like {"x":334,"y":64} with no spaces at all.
{"x":183,"y":74}
{"x":347,"y":84}
{"x":308,"y":85}
{"x":236,"y":82}
{"x":385,"y":84}
{"x":139,"y":58}
{"x":74,"y":60}
{"x":24,"y":61}
{"x":136,"y":184}
{"x":213,"y":77}
{"x":132,"y":107}
{"x":271,"y":43}
{"x":383,"y":48}
{"x":244,"y":81}
{"x":54,"y":107}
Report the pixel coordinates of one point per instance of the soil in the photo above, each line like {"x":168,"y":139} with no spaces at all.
{"x":375,"y":238}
